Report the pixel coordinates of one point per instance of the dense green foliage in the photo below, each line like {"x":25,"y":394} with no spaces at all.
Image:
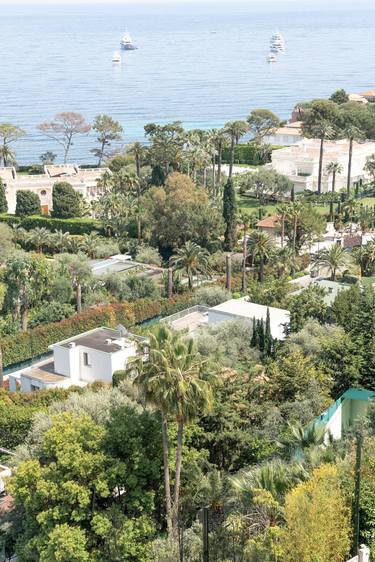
{"x":73,"y":225}
{"x":66,"y":201}
{"x":3,"y":199}
{"x":27,"y":203}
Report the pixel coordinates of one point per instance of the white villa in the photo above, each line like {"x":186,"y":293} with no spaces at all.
{"x":288,"y":134}
{"x":84,"y":181}
{"x":89,"y":357}
{"x":233,"y":309}
{"x":300,"y":162}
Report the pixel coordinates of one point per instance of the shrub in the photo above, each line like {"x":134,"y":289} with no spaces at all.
{"x":247,"y":154}
{"x":66,"y":201}
{"x":35,"y":342}
{"x":211,"y":296}
{"x":27,"y":203}
{"x":73,"y":226}
{"x":106,"y":248}
{"x":3,"y":199}
{"x":148,"y":254}
{"x":51,"y":312}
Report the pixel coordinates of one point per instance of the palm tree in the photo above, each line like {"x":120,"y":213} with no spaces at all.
{"x":235,"y":130}
{"x":282,"y":213}
{"x":61,"y":241}
{"x":334,"y":168}
{"x":39,"y":237}
{"x":137,"y":149}
{"x":365,"y":258}
{"x":301,"y":438}
{"x":350,"y":207}
{"x":293,"y":215}
{"x":322,"y":131}
{"x":177,"y":381}
{"x":351,"y":133}
{"x":76,"y":266}
{"x":284,"y":261}
{"x":333,"y":258}
{"x":191,"y":259}
{"x":261,"y":246}
{"x":7,"y":155}
{"x":246,"y":221}
{"x":89,"y":244}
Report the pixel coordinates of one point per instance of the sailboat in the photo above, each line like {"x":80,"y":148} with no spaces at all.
{"x":127,"y":42}
{"x":116,"y":58}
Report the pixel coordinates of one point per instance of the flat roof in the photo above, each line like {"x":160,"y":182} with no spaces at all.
{"x":246,"y":309}
{"x":98,"y":339}
{"x":190,"y":322}
{"x":44,"y":372}
{"x":110,"y":265}
{"x":269,"y":222}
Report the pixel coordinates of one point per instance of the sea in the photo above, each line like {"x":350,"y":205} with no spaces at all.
{"x":201,"y":63}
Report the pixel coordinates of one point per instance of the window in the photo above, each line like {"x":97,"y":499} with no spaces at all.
{"x":34,"y":388}
{"x":86,"y":360}
{"x":43,"y":192}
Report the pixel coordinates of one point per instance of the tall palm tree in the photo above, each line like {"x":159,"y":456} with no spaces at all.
{"x":137,"y":149}
{"x":333,"y":259}
{"x":365,"y":258}
{"x":235,"y":130}
{"x":7,"y":155}
{"x":260,"y":246}
{"x":334,"y":168}
{"x":245,"y":221}
{"x":39,"y":237}
{"x":282,"y":211}
{"x":294,"y":212}
{"x":323,"y":131}
{"x":191,"y":259}
{"x":177,"y":381}
{"x":352,"y":133}
{"x":350,"y":207}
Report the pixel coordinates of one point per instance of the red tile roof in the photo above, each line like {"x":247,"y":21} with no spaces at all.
{"x":269,"y":222}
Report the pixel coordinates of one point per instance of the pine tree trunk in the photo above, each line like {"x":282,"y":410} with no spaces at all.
{"x":261,"y":267}
{"x":167,"y":483}
{"x":219,"y":158}
{"x":282,"y":230}
{"x":177,"y":477}
{"x":24,"y":318}
{"x":231,"y":158}
{"x":228,"y":268}
{"x":349,"y":166}
{"x":138,"y":165}
{"x":244,"y":259}
{"x":170,"y":283}
{"x":1,"y":369}
{"x":320,"y":166}
{"x":79,"y":298}
{"x":214,"y":175}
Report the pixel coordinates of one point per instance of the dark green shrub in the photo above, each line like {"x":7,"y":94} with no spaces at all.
{"x":73,"y":226}
{"x":27,"y":203}
{"x":3,"y":199}
{"x":66,"y":202}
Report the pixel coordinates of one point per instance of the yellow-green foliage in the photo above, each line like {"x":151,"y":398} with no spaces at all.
{"x":318,"y":520}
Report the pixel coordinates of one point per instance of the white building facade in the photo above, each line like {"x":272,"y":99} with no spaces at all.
{"x":300,"y":163}
{"x":83,"y":181}
{"x":89,"y":357}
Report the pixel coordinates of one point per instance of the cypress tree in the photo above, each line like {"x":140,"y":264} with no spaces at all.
{"x":261,"y":336}
{"x":3,"y":199}
{"x":229,"y":214}
{"x":157,"y":176}
{"x":254,"y":335}
{"x":27,"y":203}
{"x":66,"y":201}
{"x":268,"y":335}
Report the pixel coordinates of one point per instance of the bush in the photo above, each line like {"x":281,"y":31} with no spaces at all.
{"x":66,"y":202}
{"x":51,"y":312}
{"x":78,"y":226}
{"x":211,"y":296}
{"x":247,"y":154}
{"x":148,"y":254}
{"x":3,"y":199}
{"x":27,"y":203}
{"x":36,"y":341}
{"x":106,"y":248}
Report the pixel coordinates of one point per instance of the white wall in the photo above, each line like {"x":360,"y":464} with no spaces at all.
{"x":277,"y":328}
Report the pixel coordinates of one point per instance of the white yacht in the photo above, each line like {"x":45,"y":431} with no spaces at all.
{"x":127,"y":42}
{"x":271,"y":58}
{"x":116,"y":58}
{"x":277,"y":43}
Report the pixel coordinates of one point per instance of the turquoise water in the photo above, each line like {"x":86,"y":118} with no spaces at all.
{"x":59,"y":59}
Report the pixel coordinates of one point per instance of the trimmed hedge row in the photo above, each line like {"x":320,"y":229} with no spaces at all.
{"x":26,"y":345}
{"x":73,"y":226}
{"x":245,"y":154}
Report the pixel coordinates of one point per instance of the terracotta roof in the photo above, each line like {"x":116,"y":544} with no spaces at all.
{"x":269,"y":222}
{"x":369,"y":93}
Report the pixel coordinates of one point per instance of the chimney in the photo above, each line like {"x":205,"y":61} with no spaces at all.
{"x":72,"y":344}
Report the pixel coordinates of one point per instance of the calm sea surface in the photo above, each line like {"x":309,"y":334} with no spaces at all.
{"x":54,"y":61}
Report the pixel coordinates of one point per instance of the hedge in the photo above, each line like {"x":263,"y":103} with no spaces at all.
{"x":73,"y":226}
{"x":245,"y":154}
{"x":33,"y":343}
